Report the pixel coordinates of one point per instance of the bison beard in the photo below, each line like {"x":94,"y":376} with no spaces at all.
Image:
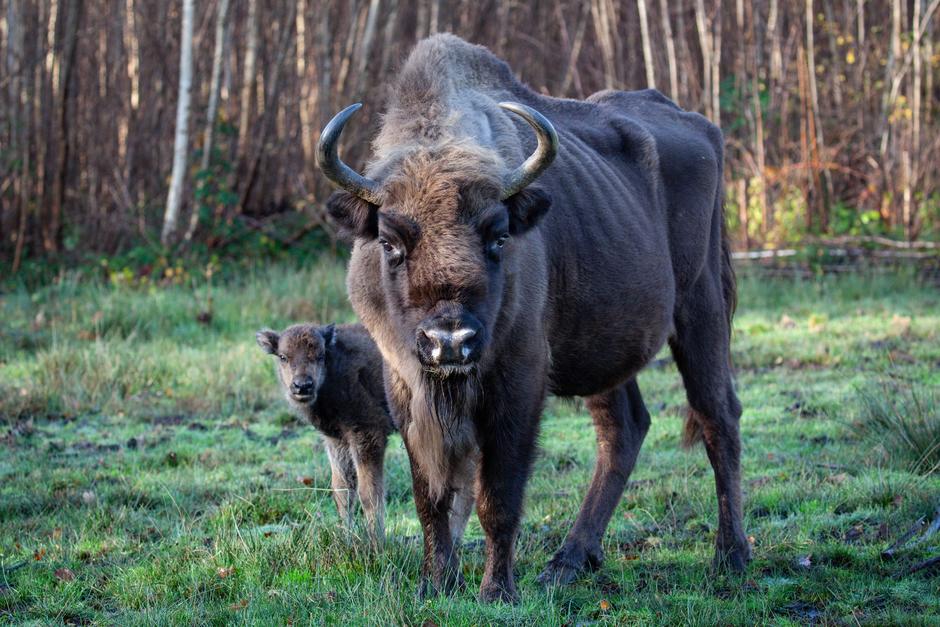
{"x":440,"y":433}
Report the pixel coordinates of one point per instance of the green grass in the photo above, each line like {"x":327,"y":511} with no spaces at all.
{"x":144,"y":451}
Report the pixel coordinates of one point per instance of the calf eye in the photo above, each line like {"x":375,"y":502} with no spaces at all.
{"x":392,"y":254}
{"x":283,"y":358}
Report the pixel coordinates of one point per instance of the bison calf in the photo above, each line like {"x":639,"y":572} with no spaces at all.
{"x":333,"y":377}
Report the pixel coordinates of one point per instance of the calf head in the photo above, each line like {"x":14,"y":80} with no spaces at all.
{"x":301,"y":358}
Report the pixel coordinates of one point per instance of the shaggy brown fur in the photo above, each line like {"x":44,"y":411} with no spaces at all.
{"x":572,"y":300}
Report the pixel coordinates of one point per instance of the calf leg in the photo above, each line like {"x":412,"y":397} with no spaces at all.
{"x":343,"y":480}
{"x":621,"y":422}
{"x":369,"y":458}
{"x":701,"y":349}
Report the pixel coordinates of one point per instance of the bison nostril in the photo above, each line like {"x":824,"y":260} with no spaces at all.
{"x":447,"y":347}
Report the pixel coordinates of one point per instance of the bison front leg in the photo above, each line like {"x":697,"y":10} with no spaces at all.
{"x":507,"y":448}
{"x":440,"y":571}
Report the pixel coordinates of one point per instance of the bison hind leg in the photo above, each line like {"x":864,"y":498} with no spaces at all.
{"x":701,"y":349}
{"x":621,"y":421}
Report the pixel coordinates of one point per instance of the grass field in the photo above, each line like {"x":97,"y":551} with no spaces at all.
{"x":149,"y":471}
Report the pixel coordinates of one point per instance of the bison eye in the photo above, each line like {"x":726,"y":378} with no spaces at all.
{"x":283,"y":358}
{"x":392,"y":254}
{"x":494,"y":248}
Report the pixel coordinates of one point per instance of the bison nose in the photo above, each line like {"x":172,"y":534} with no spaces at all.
{"x":446,"y":346}
{"x":302,"y":385}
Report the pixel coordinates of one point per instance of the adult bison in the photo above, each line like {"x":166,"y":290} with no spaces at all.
{"x":483,"y":300}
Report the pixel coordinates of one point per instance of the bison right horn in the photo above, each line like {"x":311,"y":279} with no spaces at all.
{"x":333,"y":167}
{"x":544,"y":154}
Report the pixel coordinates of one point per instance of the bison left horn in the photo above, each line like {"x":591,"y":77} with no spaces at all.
{"x":544,"y":154}
{"x":334,"y":168}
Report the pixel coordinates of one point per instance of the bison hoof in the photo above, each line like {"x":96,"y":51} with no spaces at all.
{"x":493,"y":592}
{"x":732,"y":557}
{"x":569,"y":563}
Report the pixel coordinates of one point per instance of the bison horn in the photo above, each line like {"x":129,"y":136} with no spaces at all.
{"x":334,"y":168}
{"x":544,"y":154}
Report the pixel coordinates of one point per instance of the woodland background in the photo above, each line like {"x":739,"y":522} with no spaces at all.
{"x":829,"y":107}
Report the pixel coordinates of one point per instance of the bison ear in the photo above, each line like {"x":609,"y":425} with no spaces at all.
{"x":526,"y":208}
{"x":267,"y":340}
{"x":329,"y":335}
{"x":352,"y":216}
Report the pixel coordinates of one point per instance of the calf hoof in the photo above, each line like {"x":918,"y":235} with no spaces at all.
{"x":495,"y":592}
{"x":732,"y":557}
{"x":569,"y":563}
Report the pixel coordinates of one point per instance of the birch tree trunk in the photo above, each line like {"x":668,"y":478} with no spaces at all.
{"x":53,"y":235}
{"x":704,"y":40}
{"x":365,"y":47}
{"x":212,"y":110}
{"x":248,"y":80}
{"x":181,"y":143}
{"x":648,"y":61}
{"x":305,"y":87}
{"x":670,"y":50}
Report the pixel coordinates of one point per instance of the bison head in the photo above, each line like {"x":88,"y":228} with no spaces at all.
{"x":444,"y":221}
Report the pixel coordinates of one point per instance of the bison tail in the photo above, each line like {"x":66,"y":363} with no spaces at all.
{"x":729,"y":282}
{"x":692,"y":430}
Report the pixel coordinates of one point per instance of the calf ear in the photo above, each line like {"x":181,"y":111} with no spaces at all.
{"x":526,"y":208}
{"x":329,"y":335}
{"x":352,"y":216}
{"x":267,"y":340}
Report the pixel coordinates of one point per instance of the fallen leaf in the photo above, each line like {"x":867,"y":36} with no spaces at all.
{"x":224,"y":572}
{"x":305,"y":480}
{"x":760,"y":481}
{"x":239,"y":605}
{"x":64,"y":574}
{"x":605,"y":605}
{"x":900,"y":325}
{"x":38,"y":555}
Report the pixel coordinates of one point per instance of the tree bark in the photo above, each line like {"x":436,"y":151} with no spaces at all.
{"x":212,"y":111}
{"x":648,"y":61}
{"x":670,"y":50}
{"x":181,"y":143}
{"x":53,"y":236}
{"x":705,"y":44}
{"x":365,"y":48}
{"x":248,"y":80}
